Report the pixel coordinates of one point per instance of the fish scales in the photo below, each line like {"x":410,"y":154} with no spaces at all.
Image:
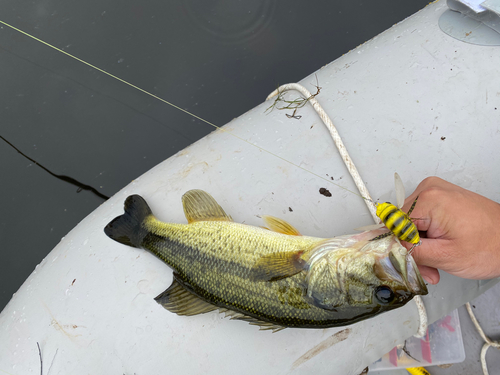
{"x":267,"y":277}
{"x":218,"y":268}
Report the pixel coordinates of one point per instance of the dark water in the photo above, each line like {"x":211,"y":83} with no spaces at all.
{"x":86,"y":130}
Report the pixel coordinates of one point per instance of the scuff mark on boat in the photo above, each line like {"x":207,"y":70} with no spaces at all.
{"x":322,"y":346}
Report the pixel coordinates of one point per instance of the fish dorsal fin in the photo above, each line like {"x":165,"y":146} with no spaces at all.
{"x":264,"y":326}
{"x":201,"y":206}
{"x":181,"y":301}
{"x":278,"y":266}
{"x":280,"y":226}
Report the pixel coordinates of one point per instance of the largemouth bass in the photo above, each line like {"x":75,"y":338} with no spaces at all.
{"x":275,"y":277}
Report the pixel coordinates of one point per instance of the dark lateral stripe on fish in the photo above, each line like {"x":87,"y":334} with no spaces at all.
{"x":178,"y":255}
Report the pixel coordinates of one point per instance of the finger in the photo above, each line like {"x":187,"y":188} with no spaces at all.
{"x":430,"y":274}
{"x":433,"y":182}
{"x":426,"y":184}
{"x":421,"y":211}
{"x":434,"y":253}
{"x":421,"y":214}
{"x":428,"y":207}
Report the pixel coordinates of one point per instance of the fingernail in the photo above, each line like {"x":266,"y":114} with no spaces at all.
{"x":430,"y":280}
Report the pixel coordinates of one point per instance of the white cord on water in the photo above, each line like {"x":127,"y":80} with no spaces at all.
{"x":422,"y":329}
{"x":488,"y":342}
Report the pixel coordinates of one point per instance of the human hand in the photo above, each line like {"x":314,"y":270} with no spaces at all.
{"x":460,"y":231}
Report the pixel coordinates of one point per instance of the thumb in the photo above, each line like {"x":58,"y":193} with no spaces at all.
{"x":429,"y":274}
{"x":434,"y":252}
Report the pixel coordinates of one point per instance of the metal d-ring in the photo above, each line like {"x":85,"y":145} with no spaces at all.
{"x":414,"y":246}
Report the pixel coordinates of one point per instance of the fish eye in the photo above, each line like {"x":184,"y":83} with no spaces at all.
{"x":384,"y":294}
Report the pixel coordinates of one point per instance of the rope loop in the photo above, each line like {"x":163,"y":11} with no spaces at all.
{"x":338,"y":142}
{"x":422,"y":329}
{"x":488,"y":342}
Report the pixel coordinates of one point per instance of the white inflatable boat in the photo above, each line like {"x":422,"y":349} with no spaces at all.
{"x":412,"y":100}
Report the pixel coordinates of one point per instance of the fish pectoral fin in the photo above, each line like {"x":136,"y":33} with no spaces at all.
{"x":264,"y":326}
{"x":280,"y":226}
{"x":278,"y":266}
{"x":181,"y":301}
{"x":201,"y":206}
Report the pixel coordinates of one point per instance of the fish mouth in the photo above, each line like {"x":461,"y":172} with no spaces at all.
{"x":400,"y":267}
{"x":406,"y":267}
{"x":414,"y":279}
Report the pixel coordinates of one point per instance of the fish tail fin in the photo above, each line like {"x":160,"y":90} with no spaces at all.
{"x":127,"y":228}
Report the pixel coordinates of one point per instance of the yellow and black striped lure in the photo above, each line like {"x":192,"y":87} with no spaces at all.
{"x":397,"y":221}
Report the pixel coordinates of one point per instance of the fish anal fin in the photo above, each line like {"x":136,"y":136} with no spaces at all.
{"x":201,"y":206}
{"x":264,"y":326}
{"x":179,"y":300}
{"x":278,"y":266}
{"x":280,"y":226}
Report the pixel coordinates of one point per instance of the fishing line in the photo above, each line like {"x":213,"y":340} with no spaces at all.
{"x":175,"y":106}
{"x":336,"y":137}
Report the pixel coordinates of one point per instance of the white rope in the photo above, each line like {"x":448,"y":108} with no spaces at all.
{"x":422,"y":315}
{"x":422,"y":329}
{"x":488,"y":342}
{"x":338,"y":142}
